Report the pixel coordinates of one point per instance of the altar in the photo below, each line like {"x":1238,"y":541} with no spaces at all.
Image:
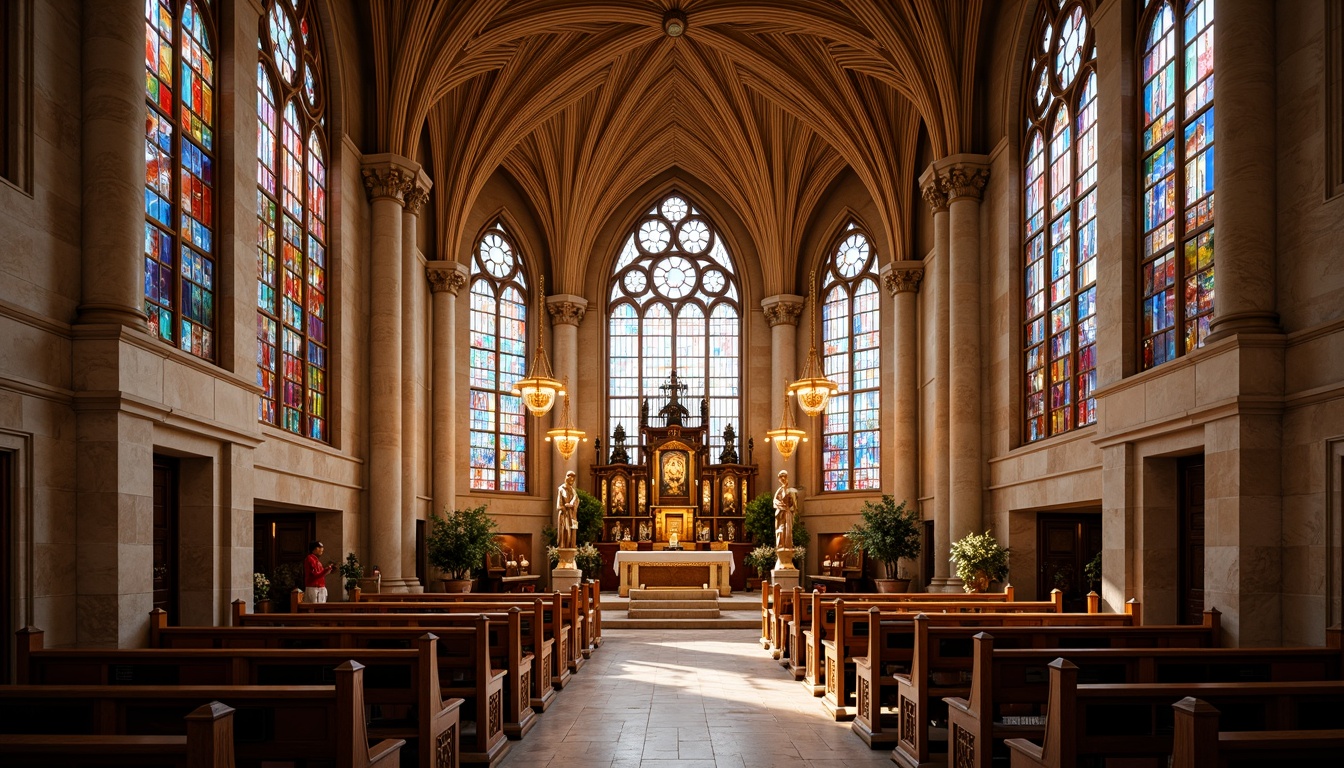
{"x":664,"y":568}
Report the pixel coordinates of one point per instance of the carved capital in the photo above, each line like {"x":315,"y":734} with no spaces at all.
{"x":387,"y":182}
{"x":566,"y":312}
{"x":934,"y":195}
{"x":966,"y":181}
{"x":903,"y":279}
{"x":782,"y":309}
{"x":445,"y":279}
{"x":416,"y":196}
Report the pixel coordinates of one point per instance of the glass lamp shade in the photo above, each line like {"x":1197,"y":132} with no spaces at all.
{"x":813,"y":393}
{"x":786,"y":439}
{"x":566,"y":439}
{"x":538,"y":393}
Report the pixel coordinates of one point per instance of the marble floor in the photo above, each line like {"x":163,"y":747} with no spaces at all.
{"x":688,"y":699}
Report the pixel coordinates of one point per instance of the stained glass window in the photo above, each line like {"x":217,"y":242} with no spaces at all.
{"x":850,"y":335}
{"x":498,"y":358}
{"x":674,"y":304}
{"x":1176,"y":276}
{"x":179,"y":175}
{"x":292,"y":343}
{"x":1059,"y":254}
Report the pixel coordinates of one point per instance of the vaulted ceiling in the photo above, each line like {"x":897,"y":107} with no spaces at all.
{"x":766,"y":101}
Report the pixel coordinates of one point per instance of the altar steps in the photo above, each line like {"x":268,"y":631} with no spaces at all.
{"x":672,"y":608}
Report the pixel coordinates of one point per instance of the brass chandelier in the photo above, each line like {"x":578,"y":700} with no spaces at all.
{"x":566,"y":436}
{"x":540,"y":387}
{"x":813,"y":389}
{"x":787,"y":436}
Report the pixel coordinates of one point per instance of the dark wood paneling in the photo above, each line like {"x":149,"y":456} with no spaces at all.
{"x":166,"y":512}
{"x":1190,"y":553}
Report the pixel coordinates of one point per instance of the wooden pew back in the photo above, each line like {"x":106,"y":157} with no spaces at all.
{"x":208,"y":744}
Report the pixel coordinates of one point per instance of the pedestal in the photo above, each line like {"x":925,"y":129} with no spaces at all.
{"x":566,"y":559}
{"x":786,"y":578}
{"x":563,"y":579}
{"x":784,"y":559}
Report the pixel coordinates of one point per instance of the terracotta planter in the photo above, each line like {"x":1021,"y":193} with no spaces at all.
{"x":456,"y":585}
{"x":262,"y":606}
{"x":978,"y":583}
{"x":892,"y":585}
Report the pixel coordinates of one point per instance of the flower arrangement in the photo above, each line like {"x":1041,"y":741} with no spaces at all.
{"x":589,"y":561}
{"x":979,"y":560}
{"x":351,"y":571}
{"x":763,"y":558}
{"x":261,"y":587}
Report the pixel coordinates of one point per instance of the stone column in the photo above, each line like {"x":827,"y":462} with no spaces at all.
{"x":387,"y":179}
{"x":902,"y":279}
{"x":936,"y":198}
{"x":413,"y":373}
{"x":782,"y":313}
{"x":1244,"y":272}
{"x":446,"y":278}
{"x":566,"y":311}
{"x":112,"y":165}
{"x":964,"y":177}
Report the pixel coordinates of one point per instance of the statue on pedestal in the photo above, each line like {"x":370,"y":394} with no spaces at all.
{"x":786,"y":508}
{"x":567,"y":513}
{"x":729,"y":454}
{"x":618,"y":452}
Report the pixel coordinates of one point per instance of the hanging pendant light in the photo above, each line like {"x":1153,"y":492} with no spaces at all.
{"x":813,"y":390}
{"x":787,"y":436}
{"x":566,"y":436}
{"x":539,"y":388}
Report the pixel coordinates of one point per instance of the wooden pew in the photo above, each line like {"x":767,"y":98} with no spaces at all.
{"x":836,"y":629}
{"x":538,"y":626}
{"x":574,"y":634}
{"x":1197,"y":742}
{"x":314,"y":725}
{"x":1014,"y":679}
{"x":403,"y":685}
{"x":465,"y":670}
{"x":208,"y":744}
{"x":506,"y":645}
{"x":1136,"y":721}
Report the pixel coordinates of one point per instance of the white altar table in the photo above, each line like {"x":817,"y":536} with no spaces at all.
{"x":664,"y":568}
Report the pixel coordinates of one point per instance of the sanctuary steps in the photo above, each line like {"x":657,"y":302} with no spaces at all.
{"x":681,"y":608}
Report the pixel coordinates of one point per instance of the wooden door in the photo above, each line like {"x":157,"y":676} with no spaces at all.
{"x":165,"y":584}
{"x":1065,"y":543}
{"x":1190,"y":552}
{"x":7,"y":559}
{"x":279,"y":545}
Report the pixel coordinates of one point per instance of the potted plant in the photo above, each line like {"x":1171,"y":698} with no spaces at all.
{"x":589,"y":561}
{"x":458,"y":544}
{"x":351,"y":571}
{"x":1092,"y":572}
{"x":979,"y":560}
{"x":758,"y":520}
{"x":887,"y":532}
{"x":261,"y":593}
{"x":760,"y":560}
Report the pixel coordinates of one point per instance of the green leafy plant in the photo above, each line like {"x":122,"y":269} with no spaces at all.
{"x":887,"y":532}
{"x":590,"y":521}
{"x":460,"y":540}
{"x":1092,"y":571}
{"x":979,"y":553}
{"x":351,"y":571}
{"x":261,"y":587}
{"x":760,"y":559}
{"x":759,"y":519}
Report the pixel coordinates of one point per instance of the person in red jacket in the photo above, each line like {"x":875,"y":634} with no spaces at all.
{"x":315,"y":574}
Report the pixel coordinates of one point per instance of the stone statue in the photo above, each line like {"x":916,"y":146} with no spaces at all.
{"x":751,"y":448}
{"x":732,"y":533}
{"x":729,"y":454}
{"x":786,"y":508}
{"x":567,"y":513}
{"x":643,"y":531}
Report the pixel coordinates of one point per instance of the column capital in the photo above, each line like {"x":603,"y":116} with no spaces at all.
{"x":447,"y":276}
{"x":902,"y":276}
{"x":388,"y":176}
{"x":784,"y":308}
{"x":566,"y":308}
{"x":418,"y":192}
{"x":955,"y":177}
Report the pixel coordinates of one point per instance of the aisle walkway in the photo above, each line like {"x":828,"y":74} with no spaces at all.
{"x":688,"y":699}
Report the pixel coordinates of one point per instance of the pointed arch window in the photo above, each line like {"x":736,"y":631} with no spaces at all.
{"x":499,"y":302}
{"x":674,"y":303}
{"x":292,"y":312}
{"x":851,"y":456}
{"x":1059,"y":269}
{"x":1176,"y":130}
{"x":179,"y":248}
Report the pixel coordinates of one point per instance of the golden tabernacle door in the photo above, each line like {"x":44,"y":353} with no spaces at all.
{"x":678,"y":520}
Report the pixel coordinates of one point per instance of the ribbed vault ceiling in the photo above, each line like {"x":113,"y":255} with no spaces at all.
{"x":583,"y":102}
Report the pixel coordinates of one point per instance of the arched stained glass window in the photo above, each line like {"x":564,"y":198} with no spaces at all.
{"x":179,"y":174}
{"x":851,"y":456}
{"x":1059,"y":255}
{"x":1176,"y":273}
{"x":292,"y":343}
{"x":498,"y":359}
{"x":673,"y":304}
